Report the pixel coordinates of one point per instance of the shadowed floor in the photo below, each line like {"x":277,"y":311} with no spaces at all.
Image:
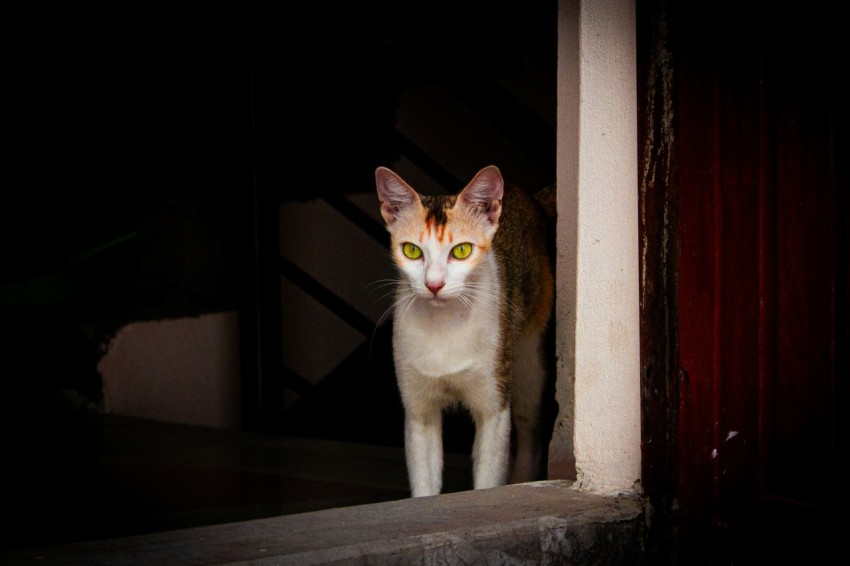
{"x":105,"y":477}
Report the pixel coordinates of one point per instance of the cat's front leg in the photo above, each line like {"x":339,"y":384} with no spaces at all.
{"x":423,"y":440}
{"x":491,"y":449}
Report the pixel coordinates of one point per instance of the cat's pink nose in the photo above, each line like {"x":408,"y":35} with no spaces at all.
{"x":435,"y":287}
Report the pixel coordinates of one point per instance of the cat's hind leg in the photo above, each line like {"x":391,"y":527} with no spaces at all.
{"x":527,"y":388}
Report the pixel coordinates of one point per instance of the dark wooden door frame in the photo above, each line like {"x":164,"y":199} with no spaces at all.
{"x":659,"y":250}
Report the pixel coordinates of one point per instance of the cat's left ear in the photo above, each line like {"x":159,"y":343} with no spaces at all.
{"x":484,"y":193}
{"x":395,"y":195}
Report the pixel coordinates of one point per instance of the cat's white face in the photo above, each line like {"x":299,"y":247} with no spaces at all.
{"x":438,"y":263}
{"x":438,"y":242}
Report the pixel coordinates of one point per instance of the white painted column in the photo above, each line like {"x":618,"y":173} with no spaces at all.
{"x":597,"y":266}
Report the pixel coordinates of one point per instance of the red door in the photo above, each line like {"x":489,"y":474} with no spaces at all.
{"x":744,"y":298}
{"x":763,"y":272}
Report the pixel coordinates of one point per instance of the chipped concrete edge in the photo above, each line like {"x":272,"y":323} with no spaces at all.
{"x":611,"y":533}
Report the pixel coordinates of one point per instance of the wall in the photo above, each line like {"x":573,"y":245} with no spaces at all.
{"x":181,"y":371}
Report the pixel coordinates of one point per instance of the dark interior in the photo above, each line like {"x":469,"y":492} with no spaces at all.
{"x":148,"y":152}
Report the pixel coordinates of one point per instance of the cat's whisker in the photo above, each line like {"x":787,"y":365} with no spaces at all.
{"x":386,"y":314}
{"x":389,"y":293}
{"x":381,"y":284}
{"x":394,"y":307}
{"x":473,"y":308}
{"x":410,"y":300}
{"x":486,"y":290}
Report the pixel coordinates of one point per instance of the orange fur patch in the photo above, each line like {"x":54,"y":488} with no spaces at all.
{"x":441,"y":230}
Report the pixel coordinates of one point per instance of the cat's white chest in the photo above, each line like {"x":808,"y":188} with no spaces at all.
{"x":445,"y":340}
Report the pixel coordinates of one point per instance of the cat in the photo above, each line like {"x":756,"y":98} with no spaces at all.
{"x":473,"y":301}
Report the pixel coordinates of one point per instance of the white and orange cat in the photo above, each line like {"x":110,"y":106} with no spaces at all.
{"x":473,"y":301}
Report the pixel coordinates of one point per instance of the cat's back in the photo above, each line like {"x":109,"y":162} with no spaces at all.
{"x":522,"y":217}
{"x":524,"y":254}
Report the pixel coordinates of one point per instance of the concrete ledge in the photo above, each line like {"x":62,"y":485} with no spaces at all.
{"x":542,"y":522}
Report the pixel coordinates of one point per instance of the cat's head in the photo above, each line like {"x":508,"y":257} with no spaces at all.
{"x":439,"y":241}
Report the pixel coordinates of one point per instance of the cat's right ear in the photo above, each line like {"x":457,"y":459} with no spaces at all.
{"x":395,"y":195}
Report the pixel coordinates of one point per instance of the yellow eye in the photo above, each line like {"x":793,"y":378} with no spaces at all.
{"x":462,"y":251}
{"x":411,"y":250}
